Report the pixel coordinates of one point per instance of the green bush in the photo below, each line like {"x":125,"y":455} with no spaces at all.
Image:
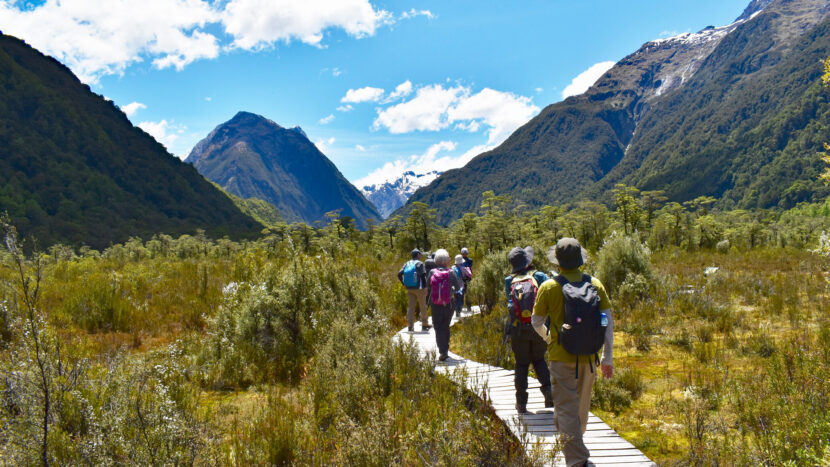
{"x":620,"y":257}
{"x":267,"y":331}
{"x":487,"y":286}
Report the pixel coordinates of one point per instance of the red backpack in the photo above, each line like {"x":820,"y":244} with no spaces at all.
{"x":441,"y":287}
{"x":523,"y":291}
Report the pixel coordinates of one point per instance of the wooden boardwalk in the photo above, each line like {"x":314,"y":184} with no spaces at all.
{"x":496,"y":385}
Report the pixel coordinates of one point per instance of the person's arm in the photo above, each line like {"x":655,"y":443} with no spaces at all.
{"x":422,"y":274}
{"x":540,"y":316}
{"x":400,"y":276}
{"x":607,"y":362}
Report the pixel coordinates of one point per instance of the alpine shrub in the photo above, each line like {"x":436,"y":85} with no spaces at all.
{"x":621,"y":256}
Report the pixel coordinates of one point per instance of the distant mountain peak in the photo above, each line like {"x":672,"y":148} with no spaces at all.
{"x":251,"y":156}
{"x":392,"y":194}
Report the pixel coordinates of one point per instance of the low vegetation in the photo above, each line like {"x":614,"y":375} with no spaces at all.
{"x":278,"y":351}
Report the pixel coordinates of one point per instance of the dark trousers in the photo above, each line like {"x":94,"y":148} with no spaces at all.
{"x":441,"y":317}
{"x":529,"y":348}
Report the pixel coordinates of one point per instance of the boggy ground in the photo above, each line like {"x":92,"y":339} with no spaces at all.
{"x":728,"y":368}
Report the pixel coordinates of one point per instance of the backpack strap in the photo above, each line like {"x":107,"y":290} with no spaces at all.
{"x":561,"y":279}
{"x":586,"y":277}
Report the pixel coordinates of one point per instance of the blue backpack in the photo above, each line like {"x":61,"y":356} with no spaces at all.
{"x":410,"y":274}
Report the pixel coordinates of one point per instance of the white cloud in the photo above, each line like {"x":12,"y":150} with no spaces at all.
{"x":326,"y":120}
{"x":257,"y":24}
{"x":97,"y":38}
{"x":324,"y":144}
{"x":412,"y":13}
{"x":436,"y":108}
{"x":419,"y":163}
{"x":539,"y":90}
{"x":345,"y":108}
{"x":367,"y":94}
{"x":336,"y":72}
{"x":132,"y":108}
{"x":402,"y":90}
{"x":208,"y":99}
{"x":164,"y":132}
{"x":360,"y":148}
{"x":586,"y":79}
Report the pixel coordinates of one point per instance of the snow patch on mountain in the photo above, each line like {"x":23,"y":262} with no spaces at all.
{"x":392,"y":194}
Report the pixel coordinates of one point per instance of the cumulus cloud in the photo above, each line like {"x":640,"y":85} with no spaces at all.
{"x":324,"y":144}
{"x":413,"y":13}
{"x":327,"y":120}
{"x":255,"y":24}
{"x":132,"y":108}
{"x":436,"y":108}
{"x":419,"y":163}
{"x":367,"y":94}
{"x":586,"y":79}
{"x":163,"y":131}
{"x":97,"y":38}
{"x":345,"y":108}
{"x":360,"y":148}
{"x":402,"y":90}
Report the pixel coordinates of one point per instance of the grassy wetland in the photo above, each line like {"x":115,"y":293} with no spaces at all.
{"x":277,"y":351}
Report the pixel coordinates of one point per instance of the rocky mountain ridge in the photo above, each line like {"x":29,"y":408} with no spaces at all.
{"x":390,"y":195}
{"x":251,"y":156}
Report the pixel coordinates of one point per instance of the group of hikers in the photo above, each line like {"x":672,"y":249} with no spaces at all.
{"x":433,"y":281}
{"x":565,"y":317}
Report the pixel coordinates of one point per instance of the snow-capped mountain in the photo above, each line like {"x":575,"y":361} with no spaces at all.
{"x":393,"y":194}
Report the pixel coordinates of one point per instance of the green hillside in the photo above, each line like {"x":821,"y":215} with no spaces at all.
{"x":73,"y":169}
{"x":745,"y":127}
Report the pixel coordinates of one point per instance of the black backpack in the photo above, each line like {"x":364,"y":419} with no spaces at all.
{"x":582,"y":333}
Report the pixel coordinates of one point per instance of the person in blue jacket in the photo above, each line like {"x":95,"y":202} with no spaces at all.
{"x":528,"y":346}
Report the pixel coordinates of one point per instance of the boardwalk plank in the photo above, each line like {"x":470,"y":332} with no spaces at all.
{"x":538,"y":428}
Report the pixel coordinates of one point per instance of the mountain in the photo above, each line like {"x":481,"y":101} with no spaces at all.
{"x":734,"y":112}
{"x":73,"y":169}
{"x":252,"y":157}
{"x":393,"y":194}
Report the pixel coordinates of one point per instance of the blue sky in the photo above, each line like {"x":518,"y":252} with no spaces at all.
{"x":380,"y":86}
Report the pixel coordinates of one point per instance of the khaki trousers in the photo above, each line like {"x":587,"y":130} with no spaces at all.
{"x":572,"y":400}
{"x":420,"y":296}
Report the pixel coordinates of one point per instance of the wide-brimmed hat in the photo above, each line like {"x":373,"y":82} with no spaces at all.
{"x":459,"y":259}
{"x":520,"y":258}
{"x":415,"y":253}
{"x":568,"y":253}
{"x":464,"y":251}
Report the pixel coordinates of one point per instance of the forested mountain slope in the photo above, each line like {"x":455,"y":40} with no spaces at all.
{"x":734,"y":112}
{"x":73,"y":168}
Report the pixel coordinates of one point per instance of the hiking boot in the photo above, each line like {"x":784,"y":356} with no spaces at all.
{"x":442,"y":358}
{"x":548,"y":393}
{"x":425,"y":327}
{"x":521,"y":403}
{"x":411,"y":329}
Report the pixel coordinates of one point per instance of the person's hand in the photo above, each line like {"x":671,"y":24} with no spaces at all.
{"x":607,"y":371}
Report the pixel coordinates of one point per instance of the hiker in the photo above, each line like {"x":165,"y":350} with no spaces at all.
{"x":458,"y":297}
{"x":414,"y":277}
{"x":528,"y":346}
{"x":578,"y":306}
{"x":429,"y":265}
{"x":443,"y":283}
{"x":467,"y":269}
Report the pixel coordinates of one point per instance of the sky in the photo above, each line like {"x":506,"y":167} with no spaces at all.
{"x":381,"y":87}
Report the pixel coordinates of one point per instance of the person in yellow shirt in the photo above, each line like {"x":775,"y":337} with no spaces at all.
{"x":572,"y":375}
